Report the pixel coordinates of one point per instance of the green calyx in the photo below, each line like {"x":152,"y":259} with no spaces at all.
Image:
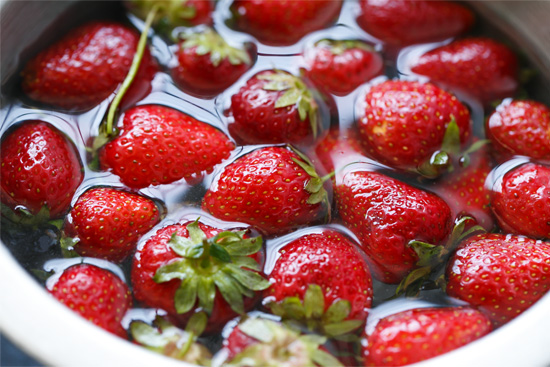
{"x":278,"y":345}
{"x":315,"y":185}
{"x":338,"y":47}
{"x":171,"y":13}
{"x":23,"y":217}
{"x":210,"y":42}
{"x":296,"y":93}
{"x":221,"y":262}
{"x":311,"y":313}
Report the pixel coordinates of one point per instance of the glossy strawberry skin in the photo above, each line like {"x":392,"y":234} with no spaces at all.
{"x":281,"y":23}
{"x":96,"y":294}
{"x":405,"y":22}
{"x":386,"y":214}
{"x":520,"y":128}
{"x":521,"y":201}
{"x":86,"y":66}
{"x":481,"y":67}
{"x":501,"y":275}
{"x":109,"y":222}
{"x":416,"y":335}
{"x":402,"y":123}
{"x":160,"y":145}
{"x":40,"y":167}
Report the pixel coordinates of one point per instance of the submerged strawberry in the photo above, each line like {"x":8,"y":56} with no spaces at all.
{"x":339,"y":148}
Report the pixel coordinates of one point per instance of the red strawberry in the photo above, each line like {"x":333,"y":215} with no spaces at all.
{"x":207,"y":64}
{"x":405,"y":124}
{"x":405,"y":22}
{"x":160,"y":145}
{"x":501,"y":275}
{"x":323,"y":281}
{"x":40,"y":170}
{"x":484,"y":68}
{"x":273,"y":189}
{"x":274,"y":107}
{"x":86,"y":66}
{"x":191,"y":265}
{"x":341,"y":66}
{"x":386,"y":214}
{"x":521,"y":200}
{"x":283,"y":22}
{"x":107,"y":223}
{"x":520,"y":128}
{"x":338,"y":149}
{"x":96,"y":294}
{"x":416,"y":335}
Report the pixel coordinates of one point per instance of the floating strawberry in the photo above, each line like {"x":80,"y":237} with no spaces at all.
{"x":413,"y":126}
{"x":341,"y":66}
{"x":521,"y":200}
{"x":405,"y":22}
{"x":40,"y":172}
{"x":501,"y":275}
{"x":107,"y":223}
{"x":96,"y":294}
{"x":283,"y":22}
{"x":481,"y":67}
{"x":86,"y":66}
{"x":322,"y":281}
{"x":520,"y":128}
{"x":416,"y":335}
{"x":339,"y":148}
{"x":274,"y":107}
{"x":160,"y":145}
{"x":273,"y":189}
{"x":207,"y":64}
{"x":191,"y":265}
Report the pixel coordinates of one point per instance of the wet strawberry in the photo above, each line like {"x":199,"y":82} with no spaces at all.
{"x":339,"y":148}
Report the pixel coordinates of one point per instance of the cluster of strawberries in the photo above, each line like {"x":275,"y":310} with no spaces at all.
{"x":265,"y":197}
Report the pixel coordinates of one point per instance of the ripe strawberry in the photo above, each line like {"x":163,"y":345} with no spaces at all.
{"x":501,"y":275}
{"x":338,"y":149}
{"x":86,"y":66}
{"x":273,"y":189}
{"x":406,"y":124}
{"x":341,"y":66}
{"x":521,"y":200}
{"x":405,"y":22}
{"x":107,"y":223}
{"x":281,"y":23}
{"x":416,"y":335}
{"x":520,"y":128}
{"x":96,"y":294}
{"x":40,"y":170}
{"x":274,"y":107}
{"x":186,"y":266}
{"x":160,"y":145}
{"x":322,"y":281}
{"x":386,"y":215}
{"x":481,"y":67}
{"x":207,"y":64}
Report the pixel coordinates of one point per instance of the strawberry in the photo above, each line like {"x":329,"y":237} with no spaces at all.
{"x":207,"y":64}
{"x":40,"y":170}
{"x":408,"y":125}
{"x":339,"y":148}
{"x":280,"y":23}
{"x":86,"y":66}
{"x":501,"y":275}
{"x":520,"y":128}
{"x":341,"y":66}
{"x":481,"y":67}
{"x":405,"y":22}
{"x":386,"y":215}
{"x":190,"y":265}
{"x":273,"y":189}
{"x":416,"y":335}
{"x":321,"y":280}
{"x":160,"y":145}
{"x":107,"y":223}
{"x":96,"y":294}
{"x":274,"y":107}
{"x":521,"y":200}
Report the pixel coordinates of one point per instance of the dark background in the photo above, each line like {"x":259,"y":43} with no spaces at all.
{"x":11,"y":356}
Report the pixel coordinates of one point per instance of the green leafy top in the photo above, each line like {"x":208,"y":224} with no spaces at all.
{"x":171,"y":13}
{"x":210,"y":263}
{"x":337,"y":47}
